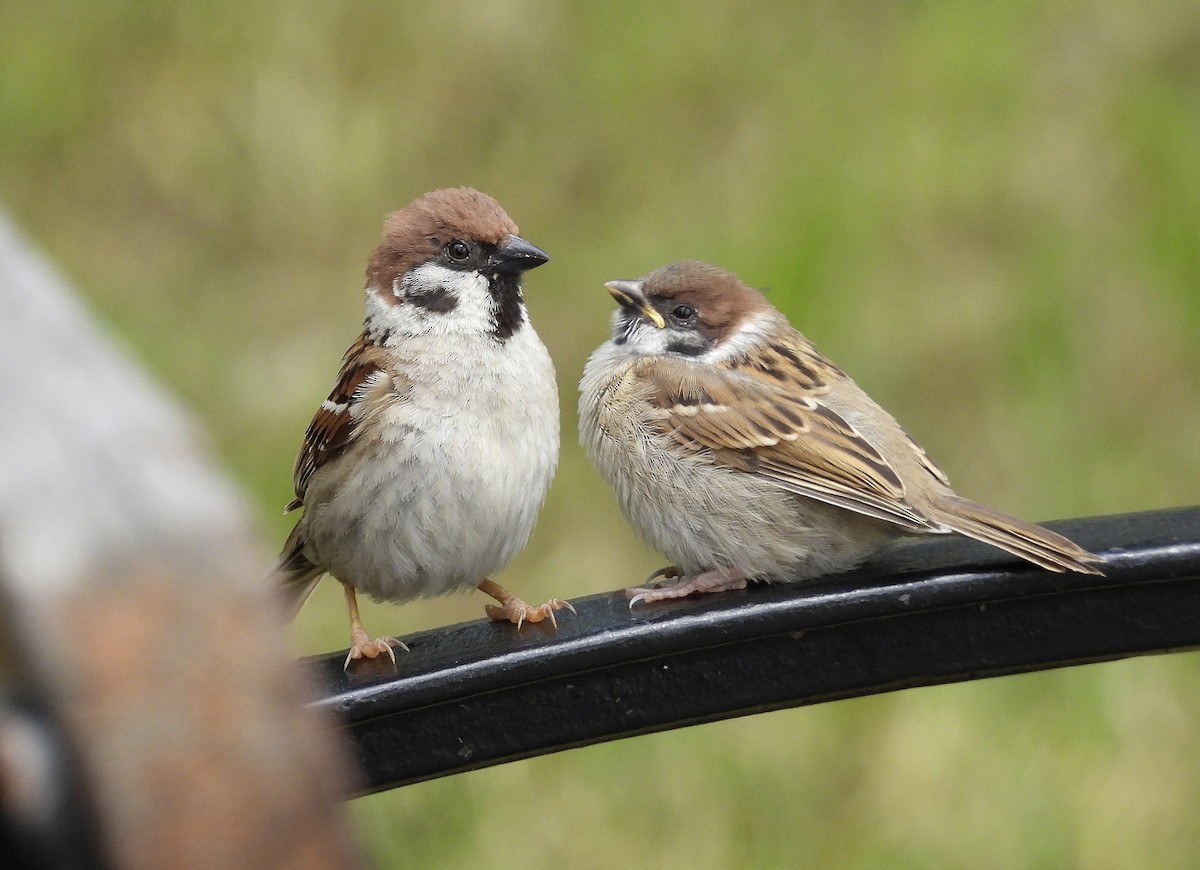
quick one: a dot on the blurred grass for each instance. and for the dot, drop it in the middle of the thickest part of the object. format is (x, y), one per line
(989, 214)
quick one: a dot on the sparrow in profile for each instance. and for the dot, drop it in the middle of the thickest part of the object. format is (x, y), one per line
(740, 452)
(424, 470)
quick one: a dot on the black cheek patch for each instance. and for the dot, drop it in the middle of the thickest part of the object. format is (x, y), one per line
(690, 346)
(438, 300)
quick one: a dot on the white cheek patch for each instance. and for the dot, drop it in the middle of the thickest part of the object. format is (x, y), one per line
(646, 339)
(473, 310)
(747, 335)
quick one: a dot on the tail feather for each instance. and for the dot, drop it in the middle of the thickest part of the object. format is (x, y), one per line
(1031, 542)
(295, 575)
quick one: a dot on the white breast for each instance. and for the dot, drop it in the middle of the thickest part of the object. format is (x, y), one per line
(448, 489)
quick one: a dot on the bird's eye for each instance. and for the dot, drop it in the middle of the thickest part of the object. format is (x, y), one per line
(458, 250)
(683, 313)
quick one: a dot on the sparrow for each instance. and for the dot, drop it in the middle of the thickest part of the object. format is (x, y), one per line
(742, 453)
(424, 469)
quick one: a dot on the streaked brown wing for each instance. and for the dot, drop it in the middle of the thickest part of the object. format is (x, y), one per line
(336, 422)
(929, 464)
(775, 424)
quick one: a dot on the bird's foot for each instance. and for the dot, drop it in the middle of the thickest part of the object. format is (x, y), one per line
(719, 580)
(513, 609)
(668, 572)
(363, 647)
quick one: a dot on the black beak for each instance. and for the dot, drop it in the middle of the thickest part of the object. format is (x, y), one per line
(514, 254)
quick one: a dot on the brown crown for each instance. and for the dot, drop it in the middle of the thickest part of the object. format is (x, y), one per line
(720, 297)
(414, 234)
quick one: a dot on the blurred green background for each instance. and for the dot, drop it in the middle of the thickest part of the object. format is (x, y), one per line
(988, 213)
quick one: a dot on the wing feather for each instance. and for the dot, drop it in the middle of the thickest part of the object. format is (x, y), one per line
(774, 421)
(337, 421)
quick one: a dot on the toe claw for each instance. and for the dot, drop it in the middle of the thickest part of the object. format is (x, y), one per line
(516, 611)
(667, 572)
(367, 648)
(716, 580)
(552, 605)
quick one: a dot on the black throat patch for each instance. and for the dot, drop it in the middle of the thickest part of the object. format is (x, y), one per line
(510, 306)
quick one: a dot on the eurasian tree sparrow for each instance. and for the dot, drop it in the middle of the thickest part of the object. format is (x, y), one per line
(424, 470)
(741, 453)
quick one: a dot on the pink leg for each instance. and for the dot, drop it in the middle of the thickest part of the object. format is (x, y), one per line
(513, 609)
(361, 644)
(719, 580)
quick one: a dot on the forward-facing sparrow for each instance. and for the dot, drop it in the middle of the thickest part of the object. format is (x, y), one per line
(741, 453)
(424, 470)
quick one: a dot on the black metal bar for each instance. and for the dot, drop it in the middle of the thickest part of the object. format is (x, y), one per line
(930, 611)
